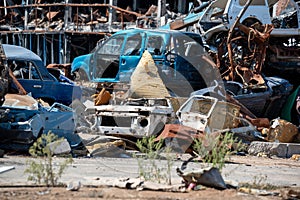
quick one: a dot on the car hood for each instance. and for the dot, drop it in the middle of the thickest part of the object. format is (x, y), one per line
(20, 102)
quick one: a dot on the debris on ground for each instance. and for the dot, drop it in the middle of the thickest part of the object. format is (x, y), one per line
(269, 149)
(59, 147)
(281, 131)
(6, 168)
(208, 114)
(73, 186)
(209, 177)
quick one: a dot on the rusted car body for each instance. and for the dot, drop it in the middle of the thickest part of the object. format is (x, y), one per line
(208, 114)
(134, 117)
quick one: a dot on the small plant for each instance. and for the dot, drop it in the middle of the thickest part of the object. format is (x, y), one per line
(147, 163)
(259, 182)
(44, 171)
(215, 150)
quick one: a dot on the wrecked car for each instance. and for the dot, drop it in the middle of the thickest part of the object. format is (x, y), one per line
(283, 52)
(133, 117)
(262, 101)
(32, 74)
(259, 35)
(23, 120)
(220, 16)
(179, 57)
(208, 114)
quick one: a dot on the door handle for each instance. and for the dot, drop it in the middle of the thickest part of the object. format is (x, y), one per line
(37, 86)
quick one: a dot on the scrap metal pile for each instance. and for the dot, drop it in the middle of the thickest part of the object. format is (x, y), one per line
(243, 101)
(74, 15)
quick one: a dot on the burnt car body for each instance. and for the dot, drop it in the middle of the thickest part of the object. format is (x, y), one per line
(32, 74)
(23, 120)
(283, 52)
(134, 117)
(262, 102)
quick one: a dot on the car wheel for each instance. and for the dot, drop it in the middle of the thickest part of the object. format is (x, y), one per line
(80, 75)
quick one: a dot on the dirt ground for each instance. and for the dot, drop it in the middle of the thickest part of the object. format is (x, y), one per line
(8, 192)
(116, 193)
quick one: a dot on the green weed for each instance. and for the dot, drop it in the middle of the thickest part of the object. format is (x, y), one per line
(43, 171)
(151, 155)
(215, 150)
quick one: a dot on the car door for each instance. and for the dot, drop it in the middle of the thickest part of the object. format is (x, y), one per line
(133, 50)
(30, 78)
(105, 60)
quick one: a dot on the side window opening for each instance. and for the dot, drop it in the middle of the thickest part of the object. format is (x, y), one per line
(155, 45)
(113, 46)
(133, 45)
(33, 73)
(106, 58)
(24, 70)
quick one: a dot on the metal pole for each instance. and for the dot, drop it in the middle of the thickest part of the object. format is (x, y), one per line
(30, 42)
(52, 45)
(158, 12)
(38, 44)
(26, 17)
(13, 38)
(5, 9)
(110, 16)
(45, 50)
(66, 15)
(60, 51)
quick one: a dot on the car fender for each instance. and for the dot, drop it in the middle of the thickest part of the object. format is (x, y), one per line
(81, 62)
(37, 124)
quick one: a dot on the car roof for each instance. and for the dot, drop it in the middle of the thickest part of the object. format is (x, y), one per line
(14, 52)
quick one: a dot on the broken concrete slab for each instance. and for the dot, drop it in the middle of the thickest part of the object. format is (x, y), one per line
(283, 150)
(292, 148)
(60, 147)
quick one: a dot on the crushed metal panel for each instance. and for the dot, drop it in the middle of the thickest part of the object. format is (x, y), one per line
(135, 117)
(19, 125)
(208, 114)
(23, 120)
(20, 101)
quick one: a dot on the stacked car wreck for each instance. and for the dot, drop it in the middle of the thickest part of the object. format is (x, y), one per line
(237, 38)
(210, 81)
(23, 118)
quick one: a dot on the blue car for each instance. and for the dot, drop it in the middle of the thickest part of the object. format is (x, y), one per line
(32, 74)
(23, 120)
(179, 56)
